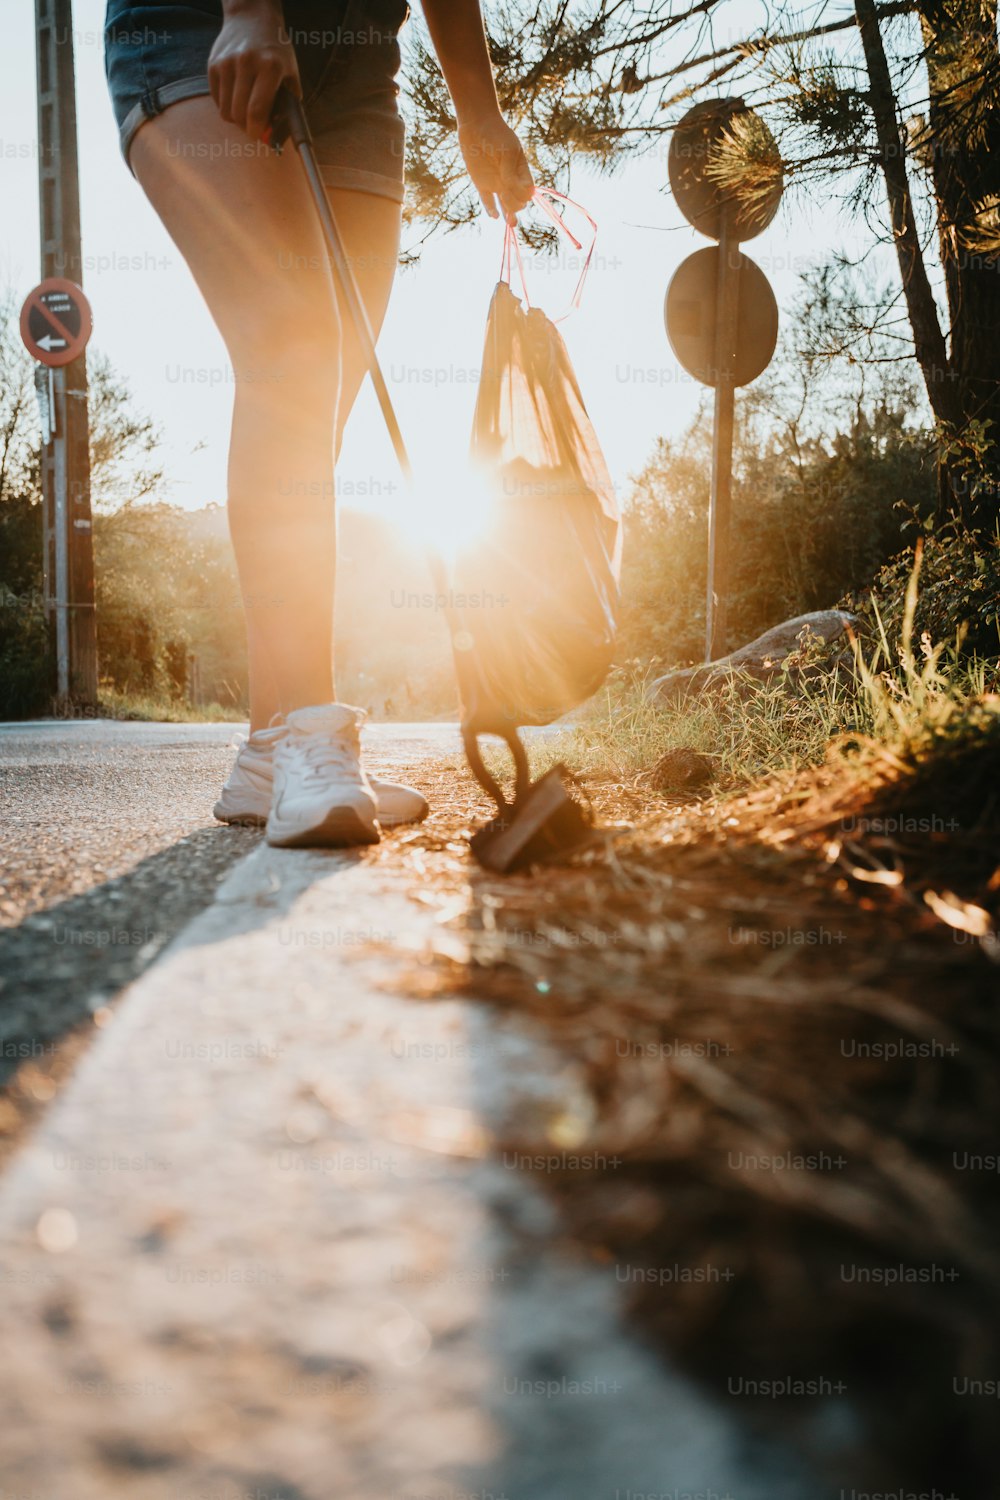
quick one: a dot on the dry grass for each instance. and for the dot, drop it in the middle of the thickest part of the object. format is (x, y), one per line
(801, 968)
(161, 708)
(750, 729)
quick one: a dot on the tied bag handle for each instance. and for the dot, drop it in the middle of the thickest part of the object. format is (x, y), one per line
(512, 246)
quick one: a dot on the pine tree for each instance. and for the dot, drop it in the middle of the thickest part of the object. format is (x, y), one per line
(896, 106)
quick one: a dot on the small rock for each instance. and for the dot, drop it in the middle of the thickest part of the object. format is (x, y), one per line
(761, 659)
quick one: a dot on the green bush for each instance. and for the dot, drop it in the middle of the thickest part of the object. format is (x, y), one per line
(25, 657)
(810, 523)
(167, 589)
(959, 593)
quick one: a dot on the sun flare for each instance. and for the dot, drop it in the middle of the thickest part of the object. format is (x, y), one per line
(449, 508)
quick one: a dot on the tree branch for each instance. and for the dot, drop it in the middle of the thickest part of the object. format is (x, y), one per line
(758, 46)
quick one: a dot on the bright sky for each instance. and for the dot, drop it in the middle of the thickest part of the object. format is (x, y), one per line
(150, 320)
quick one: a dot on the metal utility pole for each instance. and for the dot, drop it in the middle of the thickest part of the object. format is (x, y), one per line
(68, 536)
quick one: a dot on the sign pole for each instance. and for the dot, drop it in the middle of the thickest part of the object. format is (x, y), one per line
(720, 502)
(720, 312)
(68, 537)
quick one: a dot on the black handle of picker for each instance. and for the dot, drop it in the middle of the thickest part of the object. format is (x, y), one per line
(289, 123)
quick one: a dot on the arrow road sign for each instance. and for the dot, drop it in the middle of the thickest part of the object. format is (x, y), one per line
(56, 321)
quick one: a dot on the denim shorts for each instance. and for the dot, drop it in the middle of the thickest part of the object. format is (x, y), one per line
(156, 53)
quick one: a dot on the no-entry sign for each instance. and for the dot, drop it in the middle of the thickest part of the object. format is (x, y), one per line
(56, 321)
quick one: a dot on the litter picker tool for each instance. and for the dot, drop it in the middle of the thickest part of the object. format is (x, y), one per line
(546, 818)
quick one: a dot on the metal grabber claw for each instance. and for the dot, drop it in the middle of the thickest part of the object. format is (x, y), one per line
(544, 820)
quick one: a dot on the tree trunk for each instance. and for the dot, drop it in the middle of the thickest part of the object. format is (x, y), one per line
(963, 71)
(928, 340)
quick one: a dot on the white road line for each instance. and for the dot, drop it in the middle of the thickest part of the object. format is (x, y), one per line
(260, 1240)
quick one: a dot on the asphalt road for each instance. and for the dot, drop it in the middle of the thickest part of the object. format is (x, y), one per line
(86, 802)
(108, 848)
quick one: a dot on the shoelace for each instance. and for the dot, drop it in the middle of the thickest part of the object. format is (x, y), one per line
(334, 754)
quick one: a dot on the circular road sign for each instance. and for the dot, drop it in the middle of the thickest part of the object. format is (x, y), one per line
(694, 141)
(56, 321)
(689, 311)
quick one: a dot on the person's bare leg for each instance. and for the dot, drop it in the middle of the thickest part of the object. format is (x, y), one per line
(243, 220)
(370, 228)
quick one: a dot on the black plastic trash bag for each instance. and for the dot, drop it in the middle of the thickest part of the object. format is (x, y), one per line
(546, 566)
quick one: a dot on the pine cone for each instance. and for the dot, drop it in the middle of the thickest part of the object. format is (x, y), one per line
(681, 770)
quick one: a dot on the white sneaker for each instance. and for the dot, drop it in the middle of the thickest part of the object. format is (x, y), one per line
(322, 798)
(246, 796)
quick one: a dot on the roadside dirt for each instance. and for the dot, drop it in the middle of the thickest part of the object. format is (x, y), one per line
(778, 1015)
